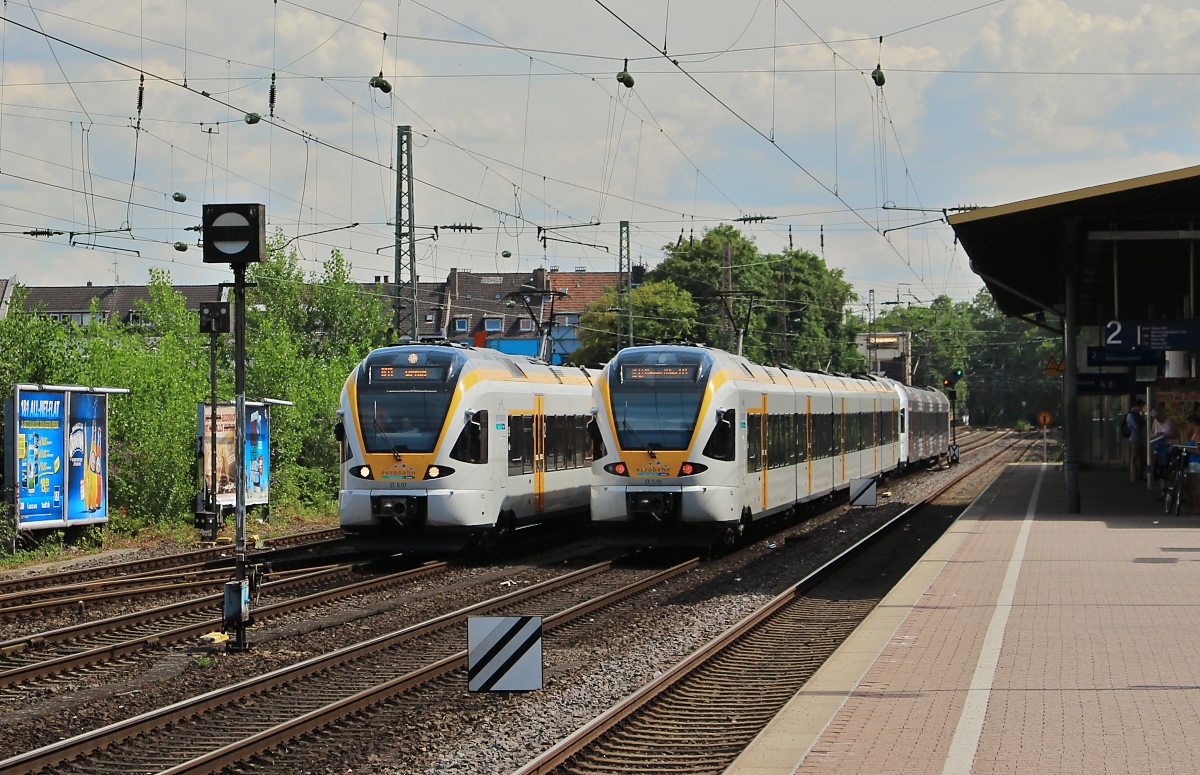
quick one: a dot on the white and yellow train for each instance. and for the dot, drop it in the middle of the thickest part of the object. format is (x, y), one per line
(445, 445)
(698, 441)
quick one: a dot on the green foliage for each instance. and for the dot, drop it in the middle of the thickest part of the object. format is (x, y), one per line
(661, 312)
(791, 306)
(304, 335)
(1006, 366)
(1003, 359)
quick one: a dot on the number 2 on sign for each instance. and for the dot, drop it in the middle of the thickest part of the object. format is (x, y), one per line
(1115, 327)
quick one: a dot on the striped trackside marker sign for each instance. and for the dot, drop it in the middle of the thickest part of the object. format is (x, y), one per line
(862, 492)
(504, 653)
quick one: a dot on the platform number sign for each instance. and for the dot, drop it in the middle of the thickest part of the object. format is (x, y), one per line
(1114, 334)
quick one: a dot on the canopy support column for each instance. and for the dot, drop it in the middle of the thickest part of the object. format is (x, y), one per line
(1070, 389)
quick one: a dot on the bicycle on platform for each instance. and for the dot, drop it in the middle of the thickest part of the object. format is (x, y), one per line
(1175, 477)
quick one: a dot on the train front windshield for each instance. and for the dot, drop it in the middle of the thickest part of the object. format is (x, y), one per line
(656, 396)
(403, 397)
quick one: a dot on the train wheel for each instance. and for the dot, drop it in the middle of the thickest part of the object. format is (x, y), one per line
(498, 535)
(734, 535)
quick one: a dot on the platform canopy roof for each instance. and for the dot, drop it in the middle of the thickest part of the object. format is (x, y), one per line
(1132, 244)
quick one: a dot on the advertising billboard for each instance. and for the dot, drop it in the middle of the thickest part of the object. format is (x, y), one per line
(87, 458)
(40, 462)
(257, 450)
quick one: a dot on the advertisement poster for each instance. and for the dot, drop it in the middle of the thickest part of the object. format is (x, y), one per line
(1180, 404)
(87, 454)
(41, 465)
(258, 453)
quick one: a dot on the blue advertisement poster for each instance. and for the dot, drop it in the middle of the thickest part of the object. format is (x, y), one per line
(87, 455)
(41, 465)
(258, 455)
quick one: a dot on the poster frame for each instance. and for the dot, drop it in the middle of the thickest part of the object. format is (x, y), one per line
(12, 405)
(227, 502)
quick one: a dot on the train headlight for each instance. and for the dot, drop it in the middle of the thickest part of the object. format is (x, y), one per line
(620, 469)
(362, 472)
(691, 469)
(438, 472)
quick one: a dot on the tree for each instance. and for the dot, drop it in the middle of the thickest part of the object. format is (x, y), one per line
(695, 267)
(1007, 367)
(791, 306)
(662, 312)
(810, 310)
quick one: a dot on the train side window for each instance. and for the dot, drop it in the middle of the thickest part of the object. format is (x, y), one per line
(598, 450)
(516, 432)
(472, 443)
(753, 442)
(838, 422)
(721, 443)
(790, 424)
(800, 422)
(583, 450)
(556, 441)
(527, 445)
(566, 443)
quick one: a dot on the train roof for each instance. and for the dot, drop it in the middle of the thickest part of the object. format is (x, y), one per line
(498, 365)
(744, 369)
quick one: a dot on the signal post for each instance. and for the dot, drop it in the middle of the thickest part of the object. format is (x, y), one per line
(236, 234)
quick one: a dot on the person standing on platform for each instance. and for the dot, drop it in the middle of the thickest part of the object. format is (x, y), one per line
(1163, 435)
(1135, 424)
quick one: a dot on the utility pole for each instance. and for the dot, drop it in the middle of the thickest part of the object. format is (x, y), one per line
(624, 289)
(872, 346)
(727, 291)
(405, 316)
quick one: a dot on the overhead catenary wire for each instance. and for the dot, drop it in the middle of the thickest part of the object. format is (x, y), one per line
(795, 162)
(523, 166)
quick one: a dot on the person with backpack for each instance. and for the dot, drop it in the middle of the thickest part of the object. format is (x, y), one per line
(1134, 429)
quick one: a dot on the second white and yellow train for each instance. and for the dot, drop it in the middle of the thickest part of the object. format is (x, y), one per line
(699, 441)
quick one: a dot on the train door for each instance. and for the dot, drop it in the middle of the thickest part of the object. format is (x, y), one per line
(875, 434)
(539, 453)
(764, 436)
(841, 431)
(756, 454)
(808, 445)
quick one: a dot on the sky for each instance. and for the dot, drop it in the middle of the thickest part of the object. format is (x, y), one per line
(757, 108)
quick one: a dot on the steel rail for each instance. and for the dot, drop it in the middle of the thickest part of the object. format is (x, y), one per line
(82, 744)
(595, 729)
(110, 652)
(322, 717)
(198, 558)
(140, 586)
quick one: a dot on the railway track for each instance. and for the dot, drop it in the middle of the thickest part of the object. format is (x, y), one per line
(185, 562)
(196, 736)
(698, 716)
(78, 647)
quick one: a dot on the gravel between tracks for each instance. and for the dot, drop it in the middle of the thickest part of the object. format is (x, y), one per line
(589, 667)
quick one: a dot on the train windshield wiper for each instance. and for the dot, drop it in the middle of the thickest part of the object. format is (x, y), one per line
(379, 429)
(638, 436)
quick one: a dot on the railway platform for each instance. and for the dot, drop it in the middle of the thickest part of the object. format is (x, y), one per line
(1025, 640)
